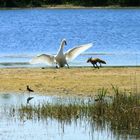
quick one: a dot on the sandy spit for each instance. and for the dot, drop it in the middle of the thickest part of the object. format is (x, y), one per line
(83, 81)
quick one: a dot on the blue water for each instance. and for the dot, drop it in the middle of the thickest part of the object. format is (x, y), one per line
(26, 33)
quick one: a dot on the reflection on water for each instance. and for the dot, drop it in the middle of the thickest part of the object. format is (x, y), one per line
(27, 125)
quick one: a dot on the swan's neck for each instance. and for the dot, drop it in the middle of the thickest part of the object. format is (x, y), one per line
(61, 47)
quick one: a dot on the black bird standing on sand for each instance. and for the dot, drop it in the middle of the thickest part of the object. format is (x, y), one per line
(30, 90)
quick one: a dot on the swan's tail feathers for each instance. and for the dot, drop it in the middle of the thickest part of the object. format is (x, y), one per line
(43, 59)
(74, 52)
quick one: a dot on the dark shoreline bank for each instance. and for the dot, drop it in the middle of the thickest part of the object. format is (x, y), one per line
(71, 7)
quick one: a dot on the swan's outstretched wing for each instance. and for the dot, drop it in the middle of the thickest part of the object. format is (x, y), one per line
(43, 58)
(74, 52)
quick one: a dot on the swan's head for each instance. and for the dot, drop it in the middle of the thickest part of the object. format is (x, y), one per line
(63, 42)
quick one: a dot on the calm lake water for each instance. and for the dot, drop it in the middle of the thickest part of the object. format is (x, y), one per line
(28, 32)
(13, 126)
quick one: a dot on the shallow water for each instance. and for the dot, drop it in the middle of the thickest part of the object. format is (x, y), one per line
(13, 126)
(27, 32)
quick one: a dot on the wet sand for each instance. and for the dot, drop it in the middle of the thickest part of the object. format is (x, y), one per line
(83, 81)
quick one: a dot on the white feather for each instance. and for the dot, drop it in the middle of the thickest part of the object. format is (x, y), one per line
(61, 57)
(43, 58)
(74, 52)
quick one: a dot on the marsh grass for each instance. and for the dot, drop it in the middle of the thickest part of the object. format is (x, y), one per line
(102, 92)
(58, 111)
(121, 114)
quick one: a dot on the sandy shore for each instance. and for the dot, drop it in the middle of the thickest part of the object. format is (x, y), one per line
(74, 81)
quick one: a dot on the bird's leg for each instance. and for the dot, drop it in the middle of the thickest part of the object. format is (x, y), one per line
(68, 65)
(29, 93)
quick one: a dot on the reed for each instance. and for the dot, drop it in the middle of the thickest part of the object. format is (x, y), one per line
(121, 112)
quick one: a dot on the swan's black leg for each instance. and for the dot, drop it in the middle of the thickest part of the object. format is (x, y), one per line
(68, 65)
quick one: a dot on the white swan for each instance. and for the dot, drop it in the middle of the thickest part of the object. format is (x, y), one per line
(61, 58)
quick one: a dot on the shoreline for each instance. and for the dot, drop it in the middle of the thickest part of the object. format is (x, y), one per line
(8, 65)
(71, 7)
(81, 81)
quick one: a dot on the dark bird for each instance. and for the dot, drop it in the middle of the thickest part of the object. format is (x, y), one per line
(30, 90)
(29, 98)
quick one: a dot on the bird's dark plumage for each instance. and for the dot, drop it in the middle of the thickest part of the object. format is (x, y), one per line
(30, 90)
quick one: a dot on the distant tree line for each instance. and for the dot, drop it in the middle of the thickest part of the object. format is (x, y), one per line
(39, 3)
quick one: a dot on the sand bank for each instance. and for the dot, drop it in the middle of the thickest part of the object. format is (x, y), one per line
(74, 81)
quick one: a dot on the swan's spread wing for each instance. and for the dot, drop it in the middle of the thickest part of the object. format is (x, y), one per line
(74, 52)
(43, 58)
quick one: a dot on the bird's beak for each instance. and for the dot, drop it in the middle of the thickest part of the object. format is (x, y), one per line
(65, 43)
